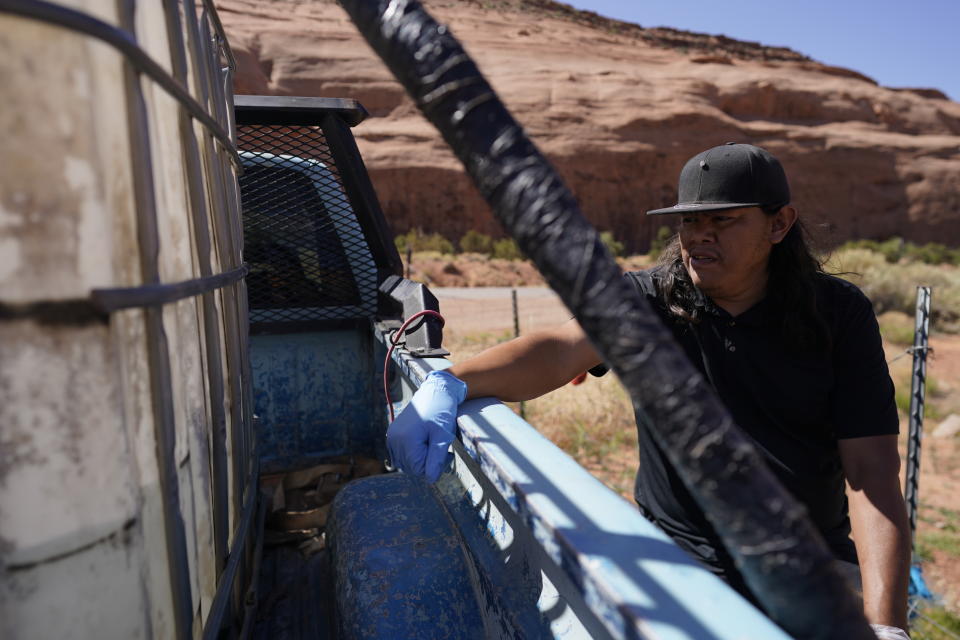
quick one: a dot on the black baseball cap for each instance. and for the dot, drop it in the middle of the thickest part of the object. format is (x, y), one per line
(730, 176)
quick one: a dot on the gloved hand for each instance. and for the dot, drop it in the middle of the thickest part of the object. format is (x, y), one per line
(889, 633)
(420, 436)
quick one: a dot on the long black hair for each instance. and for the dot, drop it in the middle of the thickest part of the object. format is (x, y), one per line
(791, 288)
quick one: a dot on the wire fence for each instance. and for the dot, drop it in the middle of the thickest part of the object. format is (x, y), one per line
(923, 624)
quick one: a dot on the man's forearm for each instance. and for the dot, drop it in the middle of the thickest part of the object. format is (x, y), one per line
(882, 535)
(528, 366)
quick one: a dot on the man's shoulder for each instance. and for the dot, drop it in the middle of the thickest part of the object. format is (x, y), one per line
(837, 293)
(845, 308)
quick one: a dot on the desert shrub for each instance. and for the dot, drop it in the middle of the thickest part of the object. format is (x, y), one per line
(854, 261)
(895, 249)
(896, 327)
(417, 240)
(506, 249)
(591, 422)
(660, 240)
(615, 247)
(476, 242)
(891, 249)
(893, 287)
(931, 253)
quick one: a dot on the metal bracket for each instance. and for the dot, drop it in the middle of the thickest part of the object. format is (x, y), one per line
(424, 337)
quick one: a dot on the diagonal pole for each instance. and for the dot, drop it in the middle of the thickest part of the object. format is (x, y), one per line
(779, 552)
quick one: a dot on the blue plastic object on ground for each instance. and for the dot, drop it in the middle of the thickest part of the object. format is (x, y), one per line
(918, 586)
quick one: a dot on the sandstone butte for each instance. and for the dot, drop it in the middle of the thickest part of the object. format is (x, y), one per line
(618, 108)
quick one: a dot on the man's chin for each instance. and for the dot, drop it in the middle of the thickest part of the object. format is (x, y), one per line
(698, 280)
(704, 279)
(704, 283)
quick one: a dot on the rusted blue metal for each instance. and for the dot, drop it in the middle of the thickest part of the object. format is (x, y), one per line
(315, 397)
(399, 565)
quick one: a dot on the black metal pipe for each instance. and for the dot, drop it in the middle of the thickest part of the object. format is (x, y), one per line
(158, 355)
(356, 183)
(221, 34)
(225, 185)
(226, 80)
(197, 62)
(211, 320)
(71, 312)
(103, 302)
(197, 41)
(219, 73)
(220, 608)
(146, 295)
(220, 89)
(228, 220)
(297, 111)
(246, 373)
(125, 43)
(252, 596)
(231, 307)
(781, 555)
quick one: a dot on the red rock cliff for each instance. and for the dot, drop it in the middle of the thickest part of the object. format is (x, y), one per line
(618, 109)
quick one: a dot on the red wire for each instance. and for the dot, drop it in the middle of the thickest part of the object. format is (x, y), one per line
(393, 343)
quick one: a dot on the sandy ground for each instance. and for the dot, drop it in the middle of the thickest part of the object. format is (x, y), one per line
(482, 316)
(473, 270)
(490, 309)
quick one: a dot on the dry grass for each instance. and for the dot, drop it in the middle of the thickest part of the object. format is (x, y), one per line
(893, 287)
(436, 269)
(593, 422)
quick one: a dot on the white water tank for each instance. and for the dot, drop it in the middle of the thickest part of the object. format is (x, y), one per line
(85, 538)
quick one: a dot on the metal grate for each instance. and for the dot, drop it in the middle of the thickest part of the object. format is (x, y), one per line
(308, 257)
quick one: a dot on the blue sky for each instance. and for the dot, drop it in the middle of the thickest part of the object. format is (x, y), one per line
(898, 43)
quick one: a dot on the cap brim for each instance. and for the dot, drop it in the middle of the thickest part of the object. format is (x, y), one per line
(701, 207)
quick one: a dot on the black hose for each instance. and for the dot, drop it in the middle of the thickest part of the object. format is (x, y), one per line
(781, 555)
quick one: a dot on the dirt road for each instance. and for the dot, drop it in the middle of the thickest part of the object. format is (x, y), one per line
(489, 309)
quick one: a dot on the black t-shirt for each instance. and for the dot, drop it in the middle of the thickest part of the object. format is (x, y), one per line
(793, 404)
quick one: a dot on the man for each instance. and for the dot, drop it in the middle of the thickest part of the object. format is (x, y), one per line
(794, 354)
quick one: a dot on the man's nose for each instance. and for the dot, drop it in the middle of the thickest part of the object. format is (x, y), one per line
(701, 230)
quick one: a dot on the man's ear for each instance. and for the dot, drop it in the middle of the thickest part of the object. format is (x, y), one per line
(781, 222)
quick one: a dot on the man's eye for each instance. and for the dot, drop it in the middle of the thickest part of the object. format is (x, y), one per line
(687, 220)
(723, 218)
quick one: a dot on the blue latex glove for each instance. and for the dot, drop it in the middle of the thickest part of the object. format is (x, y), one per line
(420, 436)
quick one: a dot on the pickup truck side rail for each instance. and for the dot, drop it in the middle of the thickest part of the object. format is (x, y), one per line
(599, 568)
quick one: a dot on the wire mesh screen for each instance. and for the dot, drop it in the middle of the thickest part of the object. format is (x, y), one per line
(307, 254)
